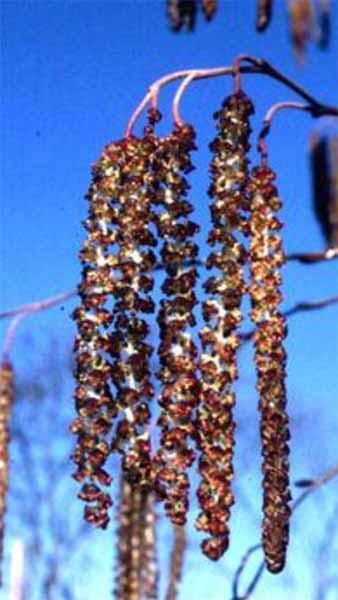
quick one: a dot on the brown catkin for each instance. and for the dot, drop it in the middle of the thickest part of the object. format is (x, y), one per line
(116, 270)
(176, 562)
(266, 257)
(324, 172)
(222, 314)
(137, 574)
(209, 8)
(6, 401)
(181, 13)
(301, 24)
(177, 352)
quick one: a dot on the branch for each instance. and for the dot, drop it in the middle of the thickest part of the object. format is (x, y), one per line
(314, 485)
(256, 65)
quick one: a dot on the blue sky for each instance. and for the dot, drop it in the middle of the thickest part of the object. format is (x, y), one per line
(72, 73)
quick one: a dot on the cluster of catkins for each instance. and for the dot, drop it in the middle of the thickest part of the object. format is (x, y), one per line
(309, 20)
(138, 200)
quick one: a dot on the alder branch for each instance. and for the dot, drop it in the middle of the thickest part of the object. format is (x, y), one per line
(314, 485)
(256, 66)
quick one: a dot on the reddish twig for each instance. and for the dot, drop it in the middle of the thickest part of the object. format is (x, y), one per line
(256, 65)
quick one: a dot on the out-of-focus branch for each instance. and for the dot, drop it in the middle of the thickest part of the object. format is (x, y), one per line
(314, 485)
(176, 562)
(309, 258)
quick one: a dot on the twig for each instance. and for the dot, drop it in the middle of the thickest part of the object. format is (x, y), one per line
(23, 311)
(316, 484)
(256, 65)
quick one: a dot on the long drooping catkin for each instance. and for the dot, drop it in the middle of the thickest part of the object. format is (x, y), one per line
(218, 364)
(177, 351)
(266, 257)
(6, 401)
(176, 562)
(116, 269)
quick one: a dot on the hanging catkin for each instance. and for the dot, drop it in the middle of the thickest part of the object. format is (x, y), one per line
(115, 267)
(136, 560)
(266, 257)
(209, 8)
(177, 351)
(264, 10)
(218, 365)
(176, 562)
(6, 401)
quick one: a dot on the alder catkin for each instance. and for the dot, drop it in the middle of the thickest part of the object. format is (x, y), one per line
(266, 257)
(137, 574)
(6, 402)
(264, 12)
(176, 562)
(222, 313)
(181, 13)
(301, 24)
(209, 8)
(324, 172)
(177, 351)
(116, 280)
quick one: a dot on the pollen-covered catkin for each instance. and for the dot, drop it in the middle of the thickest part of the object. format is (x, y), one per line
(266, 257)
(222, 314)
(6, 401)
(116, 280)
(177, 351)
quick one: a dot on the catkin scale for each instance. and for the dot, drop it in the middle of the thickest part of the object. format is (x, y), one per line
(117, 263)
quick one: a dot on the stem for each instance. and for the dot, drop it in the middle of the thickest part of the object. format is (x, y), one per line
(267, 122)
(178, 96)
(256, 65)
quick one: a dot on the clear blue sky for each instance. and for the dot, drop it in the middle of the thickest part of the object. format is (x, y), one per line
(72, 73)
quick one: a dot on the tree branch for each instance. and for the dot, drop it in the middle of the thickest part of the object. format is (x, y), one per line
(256, 65)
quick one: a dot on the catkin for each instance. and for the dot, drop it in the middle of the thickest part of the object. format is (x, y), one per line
(137, 574)
(222, 314)
(6, 401)
(117, 262)
(266, 257)
(177, 351)
(176, 562)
